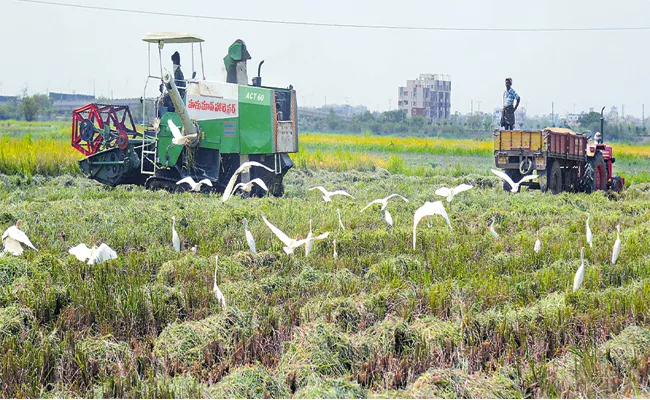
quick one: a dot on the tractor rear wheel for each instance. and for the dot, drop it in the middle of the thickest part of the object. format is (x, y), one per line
(555, 178)
(600, 172)
(515, 175)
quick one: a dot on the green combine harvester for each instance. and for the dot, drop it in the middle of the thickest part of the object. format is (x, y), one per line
(218, 126)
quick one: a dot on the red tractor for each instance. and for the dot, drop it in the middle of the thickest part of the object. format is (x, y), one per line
(599, 164)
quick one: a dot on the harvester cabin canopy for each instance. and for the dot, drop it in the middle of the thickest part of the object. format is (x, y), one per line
(163, 38)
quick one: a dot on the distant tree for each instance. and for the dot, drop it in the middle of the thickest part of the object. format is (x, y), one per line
(33, 106)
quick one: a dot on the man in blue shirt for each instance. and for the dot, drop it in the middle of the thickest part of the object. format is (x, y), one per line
(509, 106)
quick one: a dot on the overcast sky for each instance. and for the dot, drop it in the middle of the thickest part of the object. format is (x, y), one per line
(65, 49)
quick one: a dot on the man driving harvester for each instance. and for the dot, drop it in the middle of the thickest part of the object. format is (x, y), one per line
(509, 108)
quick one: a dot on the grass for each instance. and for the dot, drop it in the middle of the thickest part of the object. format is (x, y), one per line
(464, 315)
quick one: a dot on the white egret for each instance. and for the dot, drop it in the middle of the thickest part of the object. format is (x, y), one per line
(176, 241)
(310, 242)
(450, 193)
(96, 255)
(617, 244)
(248, 186)
(335, 255)
(388, 218)
(384, 201)
(429, 208)
(291, 244)
(514, 187)
(195, 249)
(249, 237)
(245, 167)
(580, 274)
(178, 138)
(217, 292)
(341, 226)
(538, 244)
(327, 196)
(588, 229)
(13, 237)
(492, 231)
(194, 186)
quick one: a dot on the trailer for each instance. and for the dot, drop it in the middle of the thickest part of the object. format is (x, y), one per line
(562, 159)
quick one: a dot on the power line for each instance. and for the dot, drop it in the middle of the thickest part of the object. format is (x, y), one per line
(336, 25)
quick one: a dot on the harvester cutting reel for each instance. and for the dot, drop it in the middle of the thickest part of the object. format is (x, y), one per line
(97, 127)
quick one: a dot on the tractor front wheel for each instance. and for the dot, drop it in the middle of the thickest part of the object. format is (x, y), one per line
(617, 184)
(600, 172)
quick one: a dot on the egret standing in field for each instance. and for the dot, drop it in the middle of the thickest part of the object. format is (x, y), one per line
(215, 289)
(538, 243)
(580, 274)
(514, 187)
(617, 244)
(450, 193)
(96, 255)
(245, 167)
(588, 230)
(341, 226)
(194, 186)
(176, 241)
(12, 239)
(327, 195)
(289, 243)
(249, 237)
(492, 231)
(428, 209)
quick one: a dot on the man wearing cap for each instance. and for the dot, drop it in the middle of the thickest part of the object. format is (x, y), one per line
(509, 108)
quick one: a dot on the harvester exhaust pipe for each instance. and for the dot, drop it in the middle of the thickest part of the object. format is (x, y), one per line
(602, 125)
(257, 81)
(176, 99)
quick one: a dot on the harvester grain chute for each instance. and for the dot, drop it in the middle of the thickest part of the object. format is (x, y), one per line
(205, 130)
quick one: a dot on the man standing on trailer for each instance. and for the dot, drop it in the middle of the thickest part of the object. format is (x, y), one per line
(509, 108)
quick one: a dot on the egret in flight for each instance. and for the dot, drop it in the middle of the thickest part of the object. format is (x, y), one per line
(450, 193)
(12, 239)
(289, 243)
(327, 196)
(514, 187)
(195, 186)
(96, 255)
(429, 208)
(178, 138)
(245, 167)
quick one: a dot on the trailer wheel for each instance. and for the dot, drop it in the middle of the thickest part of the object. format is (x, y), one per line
(600, 172)
(514, 175)
(542, 178)
(555, 178)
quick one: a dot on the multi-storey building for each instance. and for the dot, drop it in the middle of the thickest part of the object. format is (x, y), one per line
(428, 96)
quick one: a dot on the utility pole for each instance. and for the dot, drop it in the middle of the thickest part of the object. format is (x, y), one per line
(326, 100)
(642, 111)
(471, 108)
(479, 106)
(553, 113)
(390, 104)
